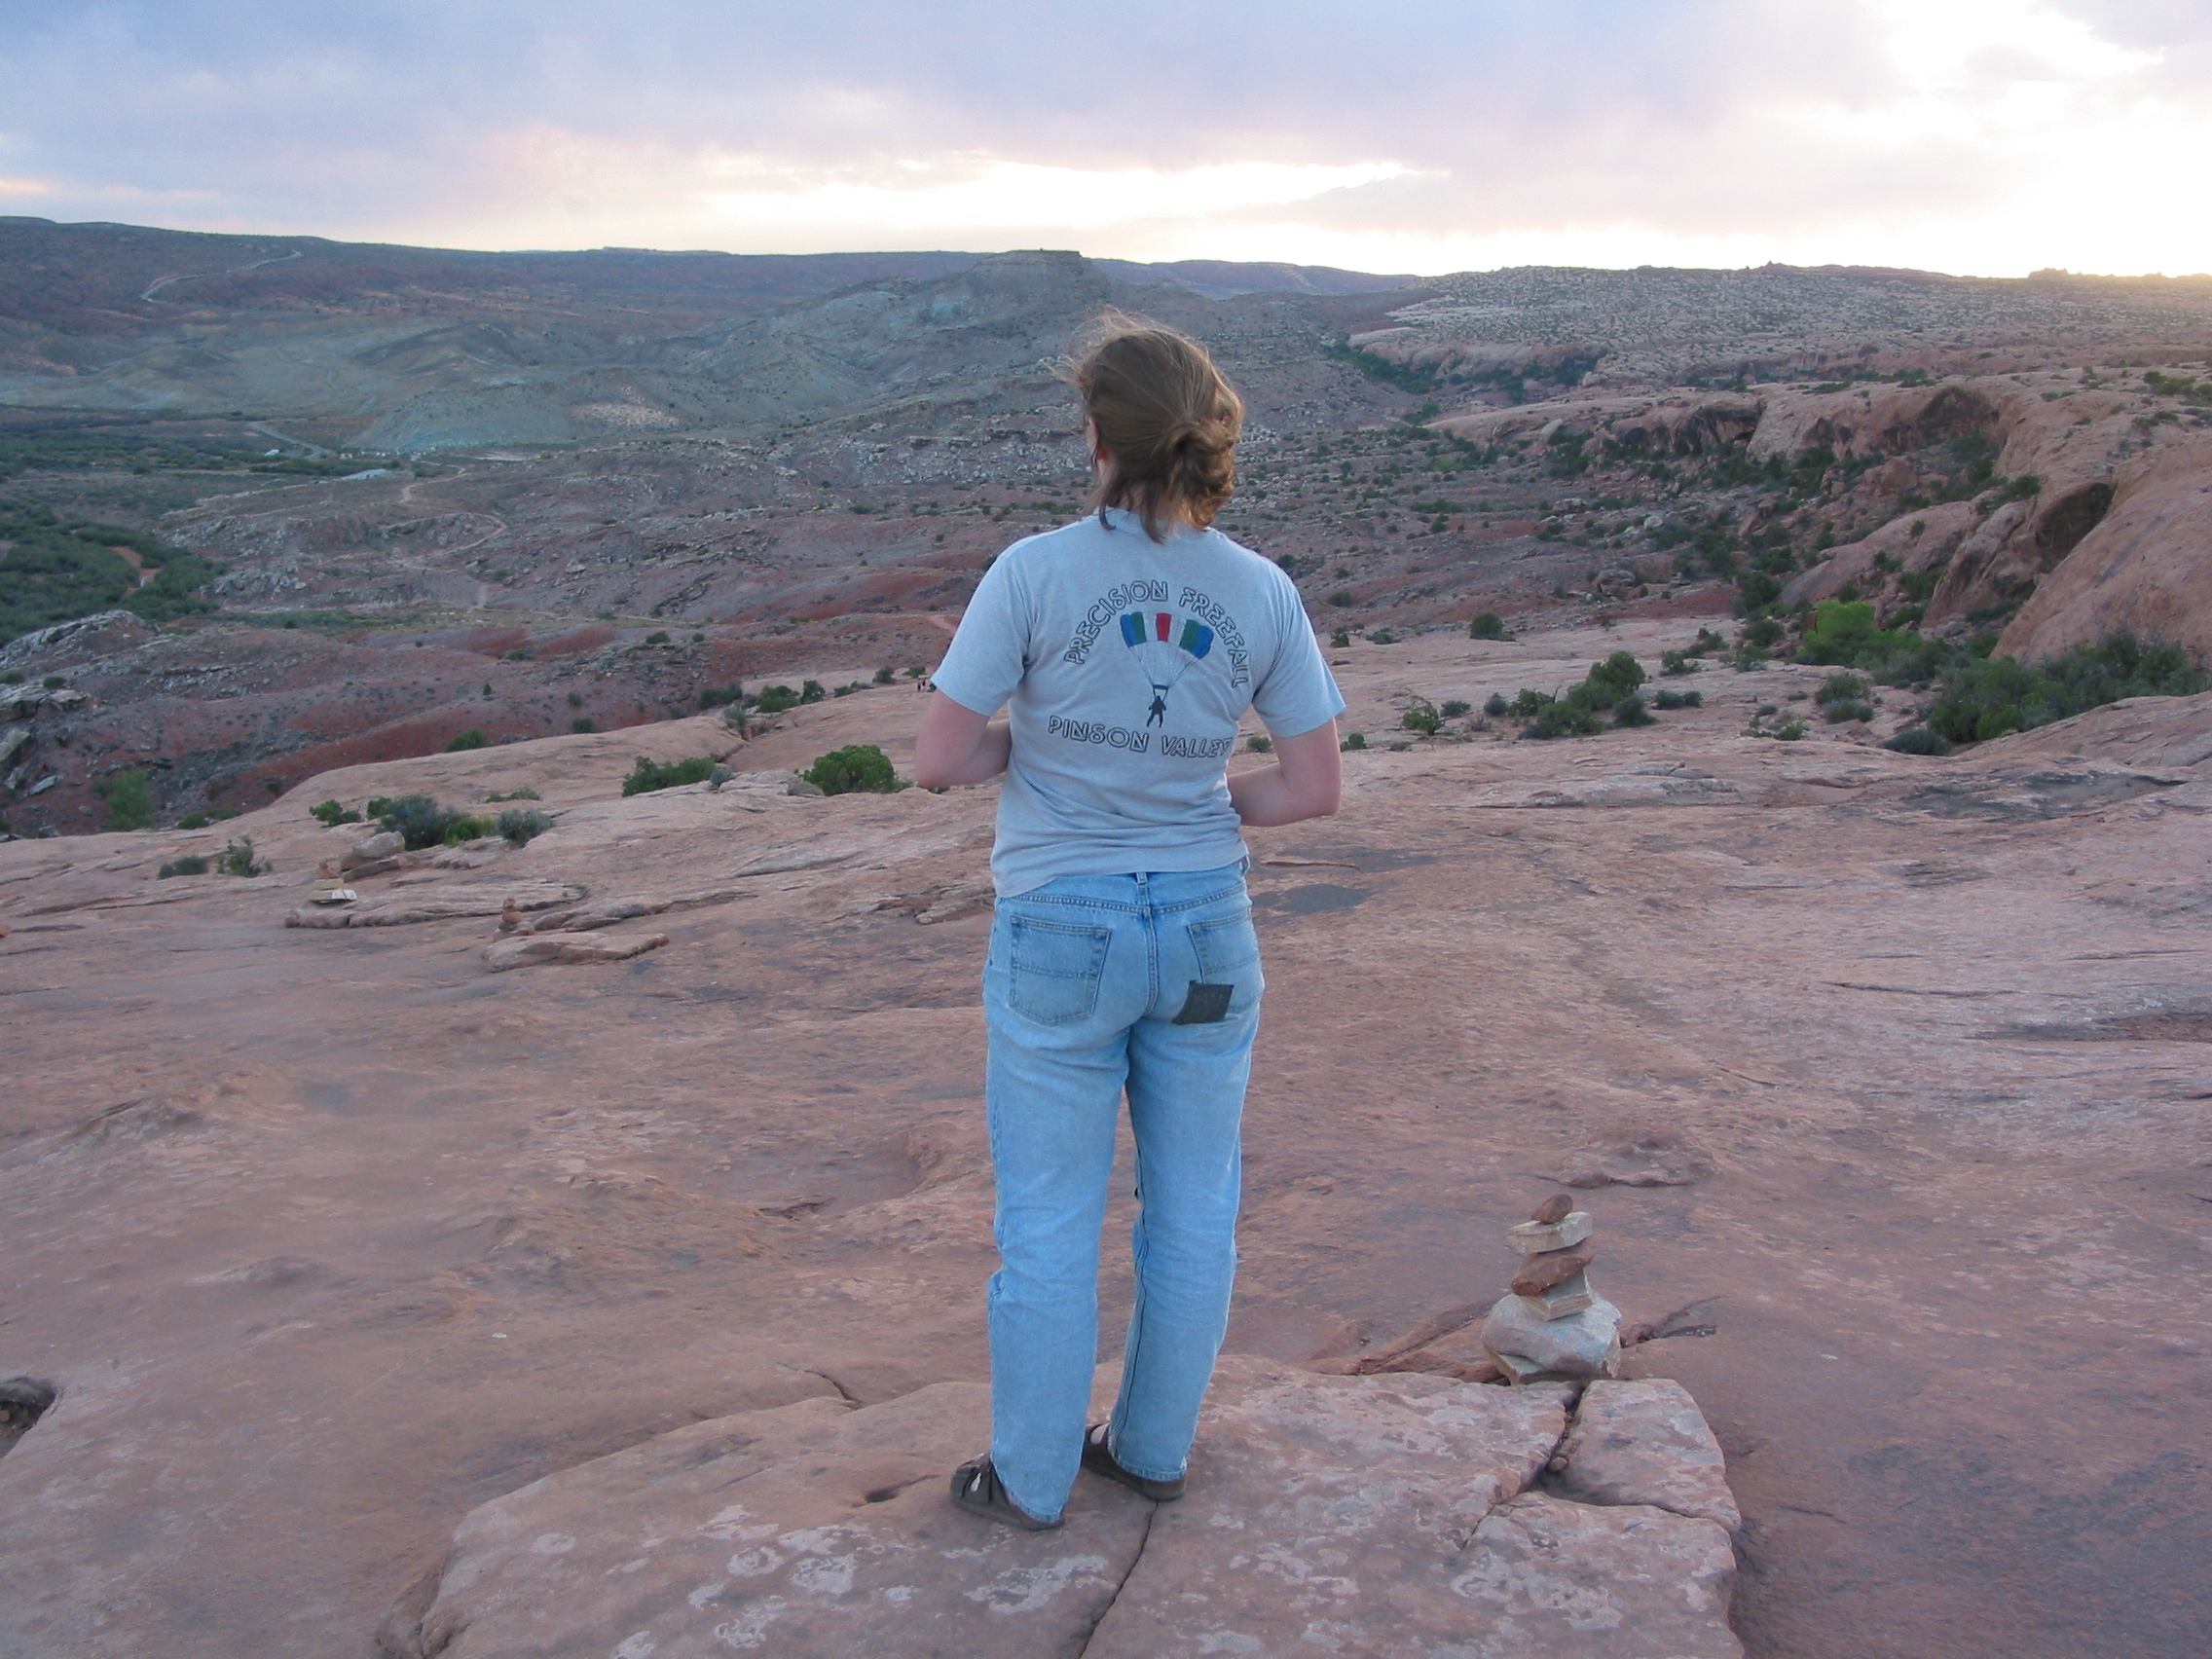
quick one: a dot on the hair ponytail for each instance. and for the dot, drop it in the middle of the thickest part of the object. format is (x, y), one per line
(1167, 417)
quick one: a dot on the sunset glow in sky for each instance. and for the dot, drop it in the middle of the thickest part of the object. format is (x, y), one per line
(1983, 136)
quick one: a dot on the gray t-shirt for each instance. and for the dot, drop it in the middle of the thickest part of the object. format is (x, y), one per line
(1128, 664)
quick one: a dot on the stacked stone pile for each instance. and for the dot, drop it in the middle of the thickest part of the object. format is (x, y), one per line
(1551, 1326)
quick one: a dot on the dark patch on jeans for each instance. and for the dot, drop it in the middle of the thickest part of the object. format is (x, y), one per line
(1205, 1004)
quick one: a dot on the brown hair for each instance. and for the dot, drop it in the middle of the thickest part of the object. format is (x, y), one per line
(1166, 415)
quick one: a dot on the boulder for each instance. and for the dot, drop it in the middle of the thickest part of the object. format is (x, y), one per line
(1646, 1442)
(377, 849)
(1348, 1515)
(1529, 1346)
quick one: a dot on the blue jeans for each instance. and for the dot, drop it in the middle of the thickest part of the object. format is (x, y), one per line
(1096, 985)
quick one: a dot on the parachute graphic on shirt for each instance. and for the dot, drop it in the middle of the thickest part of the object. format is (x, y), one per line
(1164, 646)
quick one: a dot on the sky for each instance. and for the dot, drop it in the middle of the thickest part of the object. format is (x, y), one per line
(1988, 137)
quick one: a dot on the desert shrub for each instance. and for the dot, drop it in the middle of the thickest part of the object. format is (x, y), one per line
(658, 636)
(775, 699)
(332, 813)
(1452, 708)
(1848, 708)
(463, 829)
(525, 792)
(885, 675)
(1340, 638)
(583, 724)
(1490, 625)
(1259, 743)
(1354, 740)
(1917, 740)
(521, 825)
(1620, 673)
(1631, 712)
(1988, 697)
(1678, 662)
(1562, 717)
(237, 858)
(201, 820)
(1495, 704)
(1381, 637)
(647, 776)
(129, 801)
(1528, 701)
(1844, 688)
(857, 768)
(810, 691)
(1790, 733)
(420, 821)
(472, 738)
(1669, 698)
(720, 696)
(1422, 717)
(192, 863)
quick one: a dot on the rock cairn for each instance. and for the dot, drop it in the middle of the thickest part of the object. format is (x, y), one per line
(1551, 1326)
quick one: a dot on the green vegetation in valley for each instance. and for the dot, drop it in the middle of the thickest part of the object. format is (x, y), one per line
(57, 569)
(647, 776)
(857, 767)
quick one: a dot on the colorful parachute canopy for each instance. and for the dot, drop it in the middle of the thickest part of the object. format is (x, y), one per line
(1159, 628)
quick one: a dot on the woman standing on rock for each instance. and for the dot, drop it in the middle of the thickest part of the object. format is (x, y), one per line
(1126, 646)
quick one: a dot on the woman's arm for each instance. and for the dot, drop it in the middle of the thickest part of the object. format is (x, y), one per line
(1306, 780)
(957, 746)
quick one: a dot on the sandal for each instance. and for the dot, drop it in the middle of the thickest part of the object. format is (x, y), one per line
(1099, 1460)
(978, 1488)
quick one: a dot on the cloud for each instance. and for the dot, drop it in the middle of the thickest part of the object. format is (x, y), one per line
(1420, 132)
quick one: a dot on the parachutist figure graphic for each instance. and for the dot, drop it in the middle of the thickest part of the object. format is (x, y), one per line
(1157, 716)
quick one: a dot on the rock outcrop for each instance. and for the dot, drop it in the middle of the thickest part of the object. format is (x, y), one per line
(1351, 1515)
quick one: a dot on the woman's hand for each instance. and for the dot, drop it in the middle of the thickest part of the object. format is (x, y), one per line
(957, 746)
(1307, 781)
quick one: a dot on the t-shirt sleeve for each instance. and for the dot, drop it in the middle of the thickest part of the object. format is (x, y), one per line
(1297, 693)
(990, 651)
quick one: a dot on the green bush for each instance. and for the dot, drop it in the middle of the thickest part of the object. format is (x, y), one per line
(1527, 702)
(658, 636)
(1341, 639)
(1847, 709)
(1631, 712)
(583, 723)
(1678, 662)
(1840, 630)
(775, 699)
(1490, 625)
(1354, 740)
(1381, 637)
(1844, 688)
(1991, 696)
(463, 829)
(201, 820)
(522, 824)
(1495, 705)
(1917, 740)
(1668, 698)
(647, 776)
(472, 738)
(1452, 708)
(810, 691)
(418, 819)
(1422, 717)
(192, 863)
(1619, 673)
(129, 801)
(237, 858)
(1259, 743)
(333, 813)
(1340, 598)
(525, 792)
(857, 768)
(1562, 717)
(885, 675)
(720, 696)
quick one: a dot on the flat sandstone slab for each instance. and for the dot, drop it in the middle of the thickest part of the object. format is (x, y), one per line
(1370, 1514)
(1646, 1442)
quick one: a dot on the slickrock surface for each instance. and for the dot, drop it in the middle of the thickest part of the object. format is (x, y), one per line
(1644, 1442)
(1359, 1515)
(330, 1237)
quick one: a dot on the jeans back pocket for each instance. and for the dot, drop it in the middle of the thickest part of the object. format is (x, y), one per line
(1228, 950)
(1054, 969)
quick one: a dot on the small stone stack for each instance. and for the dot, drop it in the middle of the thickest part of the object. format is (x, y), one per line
(330, 887)
(1552, 1326)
